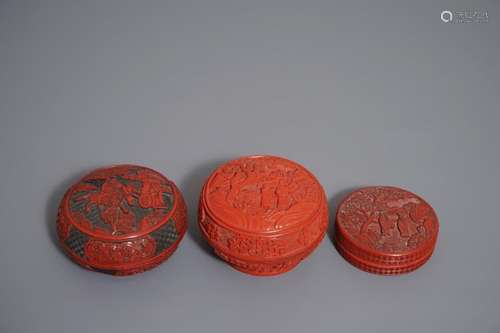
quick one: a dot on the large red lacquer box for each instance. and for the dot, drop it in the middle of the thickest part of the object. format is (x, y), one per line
(121, 220)
(263, 214)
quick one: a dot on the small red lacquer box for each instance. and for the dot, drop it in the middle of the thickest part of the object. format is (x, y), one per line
(121, 220)
(262, 214)
(385, 230)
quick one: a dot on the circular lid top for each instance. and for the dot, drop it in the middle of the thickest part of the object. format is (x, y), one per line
(120, 202)
(387, 221)
(262, 194)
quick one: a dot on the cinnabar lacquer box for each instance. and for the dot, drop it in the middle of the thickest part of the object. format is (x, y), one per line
(385, 230)
(263, 214)
(121, 220)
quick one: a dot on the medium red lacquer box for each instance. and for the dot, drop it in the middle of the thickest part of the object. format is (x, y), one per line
(121, 220)
(263, 214)
(385, 230)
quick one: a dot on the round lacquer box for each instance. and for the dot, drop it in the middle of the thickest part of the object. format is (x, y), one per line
(121, 220)
(385, 230)
(263, 214)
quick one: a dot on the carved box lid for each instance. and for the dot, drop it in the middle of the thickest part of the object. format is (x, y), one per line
(122, 219)
(260, 209)
(385, 230)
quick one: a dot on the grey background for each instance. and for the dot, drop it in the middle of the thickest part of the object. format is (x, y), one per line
(360, 92)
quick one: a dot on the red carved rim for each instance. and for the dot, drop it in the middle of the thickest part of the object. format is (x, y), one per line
(288, 263)
(302, 252)
(140, 266)
(369, 267)
(128, 236)
(322, 223)
(213, 214)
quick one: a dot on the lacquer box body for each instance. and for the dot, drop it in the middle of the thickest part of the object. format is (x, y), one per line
(121, 220)
(262, 214)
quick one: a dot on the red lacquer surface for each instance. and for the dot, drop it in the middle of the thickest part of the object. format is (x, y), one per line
(385, 230)
(262, 214)
(121, 220)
